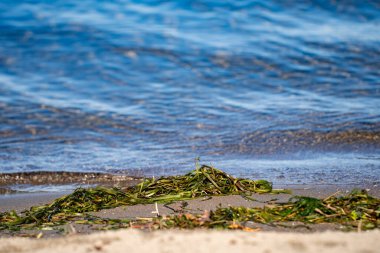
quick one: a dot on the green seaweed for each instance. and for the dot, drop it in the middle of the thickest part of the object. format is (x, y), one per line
(338, 210)
(357, 209)
(203, 181)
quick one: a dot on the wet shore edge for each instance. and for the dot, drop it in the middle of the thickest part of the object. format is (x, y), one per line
(41, 178)
(13, 198)
(63, 177)
(77, 179)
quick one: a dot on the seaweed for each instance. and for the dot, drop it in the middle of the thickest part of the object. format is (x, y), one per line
(357, 209)
(203, 181)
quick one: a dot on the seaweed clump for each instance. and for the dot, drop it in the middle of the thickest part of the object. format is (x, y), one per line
(203, 181)
(356, 210)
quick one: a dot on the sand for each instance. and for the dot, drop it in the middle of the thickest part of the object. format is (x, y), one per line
(198, 241)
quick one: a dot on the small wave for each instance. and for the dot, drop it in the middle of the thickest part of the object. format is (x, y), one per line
(288, 141)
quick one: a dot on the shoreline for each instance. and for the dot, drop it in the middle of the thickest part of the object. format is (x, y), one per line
(13, 183)
(36, 182)
(65, 177)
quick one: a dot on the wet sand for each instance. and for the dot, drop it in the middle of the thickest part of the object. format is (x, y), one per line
(22, 201)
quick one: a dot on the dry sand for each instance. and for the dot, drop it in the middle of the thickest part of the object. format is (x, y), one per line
(199, 241)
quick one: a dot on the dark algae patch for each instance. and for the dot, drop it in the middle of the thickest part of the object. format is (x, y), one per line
(357, 209)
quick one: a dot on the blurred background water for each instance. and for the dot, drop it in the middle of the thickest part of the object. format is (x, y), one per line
(283, 90)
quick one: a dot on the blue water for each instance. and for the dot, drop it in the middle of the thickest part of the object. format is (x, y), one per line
(283, 90)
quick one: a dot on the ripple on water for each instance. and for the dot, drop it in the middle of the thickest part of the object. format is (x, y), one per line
(147, 86)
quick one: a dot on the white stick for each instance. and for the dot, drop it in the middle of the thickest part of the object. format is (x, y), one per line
(156, 212)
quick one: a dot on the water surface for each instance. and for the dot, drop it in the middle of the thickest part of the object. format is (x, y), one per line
(283, 90)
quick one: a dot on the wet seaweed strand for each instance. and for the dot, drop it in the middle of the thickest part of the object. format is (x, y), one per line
(357, 209)
(203, 181)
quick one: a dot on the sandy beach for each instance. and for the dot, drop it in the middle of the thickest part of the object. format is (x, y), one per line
(199, 241)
